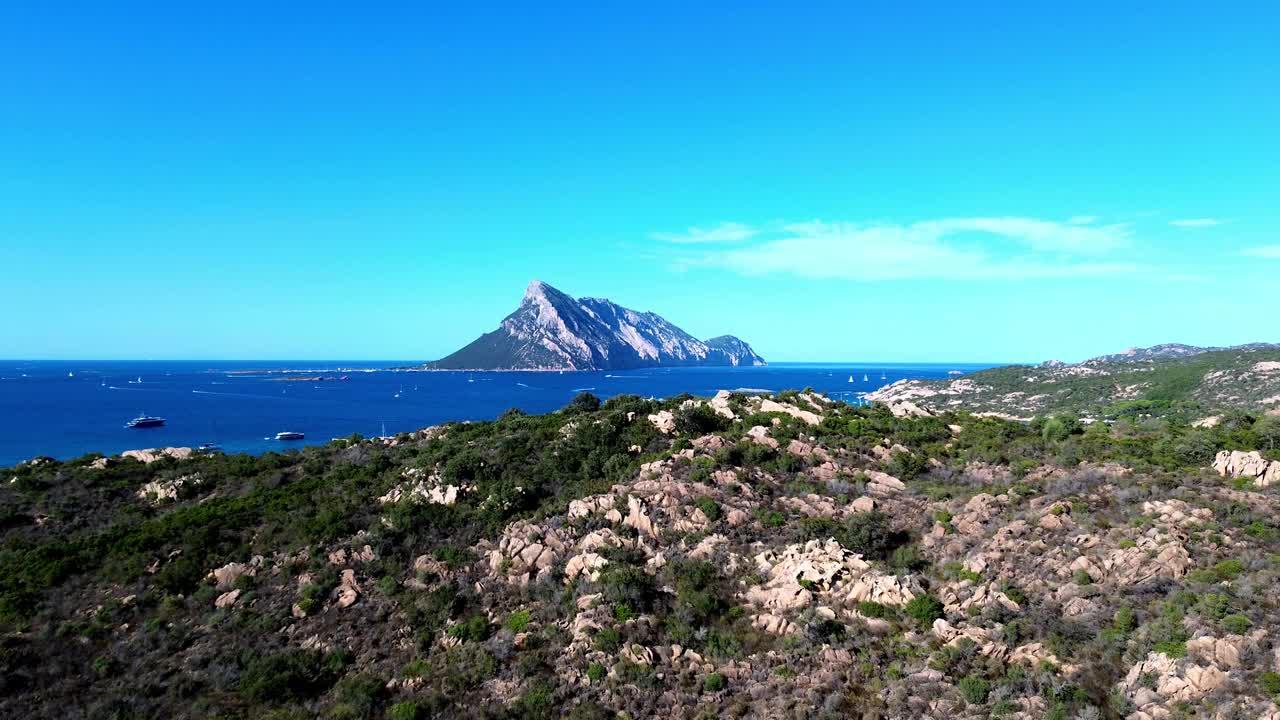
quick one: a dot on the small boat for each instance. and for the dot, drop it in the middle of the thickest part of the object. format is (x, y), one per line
(865, 378)
(850, 378)
(399, 391)
(882, 377)
(209, 448)
(145, 421)
(136, 382)
(71, 374)
(289, 435)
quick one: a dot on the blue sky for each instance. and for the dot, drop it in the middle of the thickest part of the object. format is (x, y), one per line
(847, 181)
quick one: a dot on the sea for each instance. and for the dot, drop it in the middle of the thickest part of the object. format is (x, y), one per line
(65, 409)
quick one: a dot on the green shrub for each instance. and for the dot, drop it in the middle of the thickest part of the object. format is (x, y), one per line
(872, 535)
(709, 507)
(715, 682)
(407, 710)
(596, 672)
(361, 694)
(518, 621)
(1236, 624)
(1270, 683)
(289, 676)
(539, 702)
(770, 518)
(873, 609)
(925, 609)
(1124, 620)
(473, 629)
(974, 689)
(416, 669)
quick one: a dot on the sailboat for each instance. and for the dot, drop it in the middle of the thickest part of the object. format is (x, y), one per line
(865, 378)
(850, 378)
(71, 374)
(882, 377)
(399, 391)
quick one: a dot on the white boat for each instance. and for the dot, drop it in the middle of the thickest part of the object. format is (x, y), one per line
(289, 435)
(865, 378)
(882, 377)
(71, 374)
(850, 378)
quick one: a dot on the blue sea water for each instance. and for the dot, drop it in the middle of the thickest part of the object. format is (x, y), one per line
(65, 409)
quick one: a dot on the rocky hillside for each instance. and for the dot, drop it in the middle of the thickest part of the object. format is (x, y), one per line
(1197, 386)
(553, 331)
(1169, 351)
(756, 557)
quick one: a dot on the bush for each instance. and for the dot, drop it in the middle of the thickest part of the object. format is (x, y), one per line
(974, 689)
(699, 420)
(709, 507)
(360, 695)
(873, 609)
(283, 677)
(715, 682)
(518, 620)
(596, 672)
(1270, 683)
(925, 609)
(1236, 624)
(407, 710)
(474, 629)
(872, 535)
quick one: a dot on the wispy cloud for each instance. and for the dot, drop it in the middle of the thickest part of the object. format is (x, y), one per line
(959, 248)
(1196, 222)
(725, 232)
(1271, 252)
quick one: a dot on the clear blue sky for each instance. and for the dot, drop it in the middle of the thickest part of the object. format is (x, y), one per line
(845, 181)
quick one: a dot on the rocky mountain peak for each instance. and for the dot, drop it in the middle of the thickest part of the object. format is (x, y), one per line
(551, 330)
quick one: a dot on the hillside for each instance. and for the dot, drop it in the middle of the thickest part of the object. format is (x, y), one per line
(782, 557)
(1170, 351)
(552, 331)
(1195, 385)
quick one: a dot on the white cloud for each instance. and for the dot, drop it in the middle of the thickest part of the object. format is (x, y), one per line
(954, 248)
(725, 232)
(1082, 220)
(1196, 222)
(1266, 251)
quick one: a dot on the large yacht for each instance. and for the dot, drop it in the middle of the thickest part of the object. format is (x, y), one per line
(145, 421)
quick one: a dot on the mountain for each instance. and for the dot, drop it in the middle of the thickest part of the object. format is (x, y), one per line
(1170, 351)
(553, 331)
(1163, 380)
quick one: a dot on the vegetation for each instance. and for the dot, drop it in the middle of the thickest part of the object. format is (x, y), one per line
(108, 601)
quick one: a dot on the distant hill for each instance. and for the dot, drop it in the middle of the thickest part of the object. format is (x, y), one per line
(553, 331)
(1170, 351)
(1160, 380)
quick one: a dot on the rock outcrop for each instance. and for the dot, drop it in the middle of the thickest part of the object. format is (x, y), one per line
(1249, 465)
